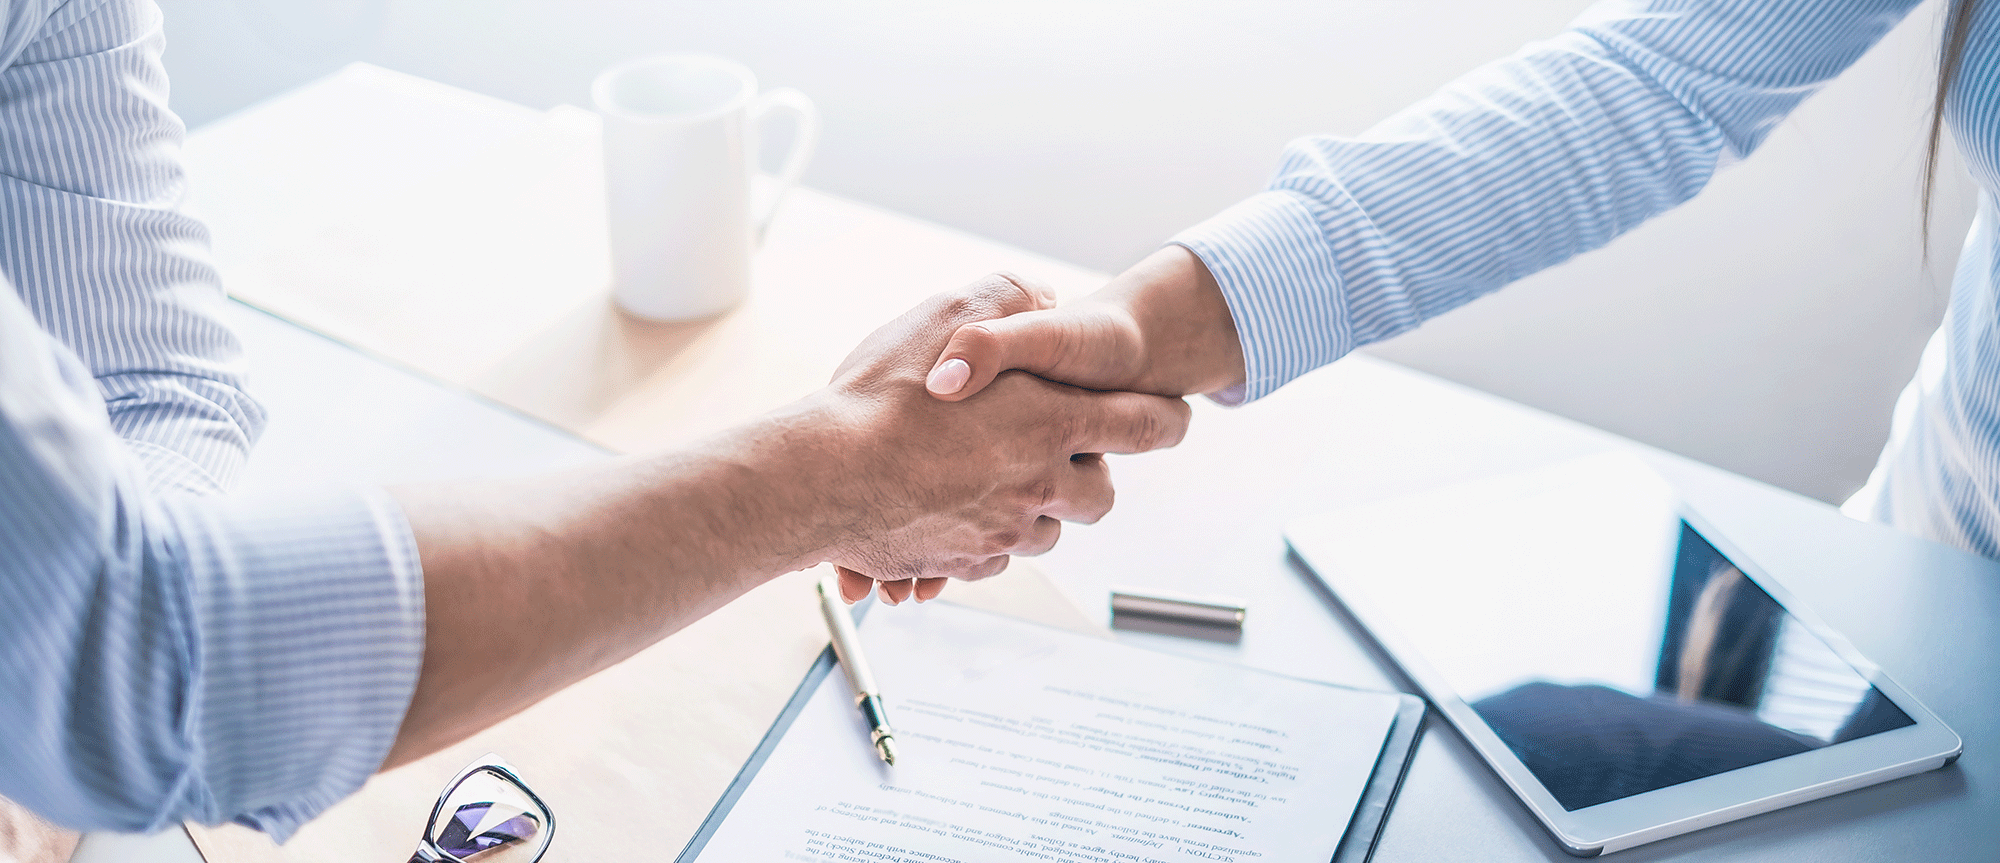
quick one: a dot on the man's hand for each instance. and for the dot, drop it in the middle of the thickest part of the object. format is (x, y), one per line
(533, 584)
(951, 490)
(1162, 327)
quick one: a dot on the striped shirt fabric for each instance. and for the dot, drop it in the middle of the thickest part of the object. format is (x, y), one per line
(1558, 149)
(167, 652)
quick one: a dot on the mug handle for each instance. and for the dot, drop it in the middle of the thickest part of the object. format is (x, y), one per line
(784, 99)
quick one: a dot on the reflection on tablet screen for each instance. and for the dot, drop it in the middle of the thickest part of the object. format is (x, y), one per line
(1602, 638)
(1737, 681)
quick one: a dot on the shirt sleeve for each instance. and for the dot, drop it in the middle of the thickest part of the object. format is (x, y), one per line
(1516, 167)
(168, 657)
(91, 237)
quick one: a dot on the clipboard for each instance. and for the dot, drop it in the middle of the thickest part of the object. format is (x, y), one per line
(1357, 843)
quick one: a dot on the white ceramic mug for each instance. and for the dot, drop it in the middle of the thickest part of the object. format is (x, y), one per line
(680, 147)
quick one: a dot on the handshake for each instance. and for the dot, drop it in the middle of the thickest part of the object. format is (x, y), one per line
(957, 435)
(979, 420)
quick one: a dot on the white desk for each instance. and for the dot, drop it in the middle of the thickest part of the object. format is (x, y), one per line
(1202, 518)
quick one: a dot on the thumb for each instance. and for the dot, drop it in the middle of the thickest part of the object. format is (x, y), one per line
(1086, 344)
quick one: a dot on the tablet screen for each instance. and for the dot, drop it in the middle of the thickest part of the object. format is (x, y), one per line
(1616, 651)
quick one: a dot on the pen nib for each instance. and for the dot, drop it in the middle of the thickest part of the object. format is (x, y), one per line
(887, 750)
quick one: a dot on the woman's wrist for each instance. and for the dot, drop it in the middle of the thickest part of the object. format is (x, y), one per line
(1187, 335)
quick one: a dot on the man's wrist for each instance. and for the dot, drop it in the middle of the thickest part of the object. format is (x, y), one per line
(839, 469)
(799, 471)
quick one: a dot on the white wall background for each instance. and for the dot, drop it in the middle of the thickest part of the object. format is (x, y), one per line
(1766, 327)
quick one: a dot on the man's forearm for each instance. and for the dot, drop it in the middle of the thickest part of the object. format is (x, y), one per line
(531, 586)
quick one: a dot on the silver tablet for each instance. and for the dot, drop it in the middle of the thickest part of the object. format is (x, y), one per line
(1624, 668)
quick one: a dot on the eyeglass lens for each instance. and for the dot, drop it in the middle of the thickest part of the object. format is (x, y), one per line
(489, 819)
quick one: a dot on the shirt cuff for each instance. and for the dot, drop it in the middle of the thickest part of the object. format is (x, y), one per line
(309, 639)
(1278, 273)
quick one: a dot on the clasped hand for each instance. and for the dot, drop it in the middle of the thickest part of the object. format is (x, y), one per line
(951, 490)
(1023, 451)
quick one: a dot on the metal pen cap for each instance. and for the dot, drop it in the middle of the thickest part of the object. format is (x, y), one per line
(1202, 612)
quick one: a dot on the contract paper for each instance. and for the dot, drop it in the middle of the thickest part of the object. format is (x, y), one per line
(1020, 742)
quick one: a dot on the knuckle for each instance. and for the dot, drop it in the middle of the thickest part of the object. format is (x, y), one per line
(952, 303)
(987, 568)
(1147, 431)
(1069, 426)
(947, 310)
(1043, 494)
(1018, 294)
(1164, 428)
(992, 295)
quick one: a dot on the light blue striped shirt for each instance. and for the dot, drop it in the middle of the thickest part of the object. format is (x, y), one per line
(1529, 161)
(168, 655)
(166, 652)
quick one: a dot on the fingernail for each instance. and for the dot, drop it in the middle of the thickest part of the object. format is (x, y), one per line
(949, 377)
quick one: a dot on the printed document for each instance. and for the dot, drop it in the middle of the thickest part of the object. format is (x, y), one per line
(1020, 742)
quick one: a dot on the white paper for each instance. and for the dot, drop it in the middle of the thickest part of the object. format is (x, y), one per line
(1019, 742)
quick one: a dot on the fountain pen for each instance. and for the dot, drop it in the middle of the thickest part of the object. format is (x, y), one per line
(847, 648)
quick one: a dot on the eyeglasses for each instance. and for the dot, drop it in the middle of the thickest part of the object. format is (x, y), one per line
(486, 815)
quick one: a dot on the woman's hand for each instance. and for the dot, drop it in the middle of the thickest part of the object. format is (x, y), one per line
(1162, 327)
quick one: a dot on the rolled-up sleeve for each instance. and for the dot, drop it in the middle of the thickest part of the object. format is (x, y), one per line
(169, 657)
(91, 237)
(1515, 167)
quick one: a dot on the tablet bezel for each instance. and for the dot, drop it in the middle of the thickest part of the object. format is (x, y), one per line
(1623, 823)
